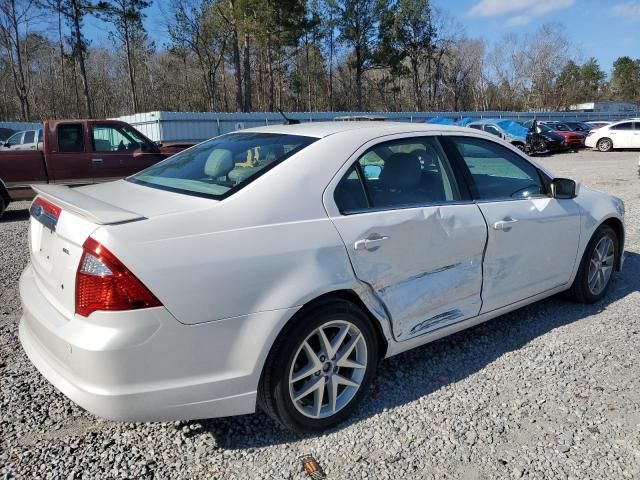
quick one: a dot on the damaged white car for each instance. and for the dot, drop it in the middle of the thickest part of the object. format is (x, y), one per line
(275, 267)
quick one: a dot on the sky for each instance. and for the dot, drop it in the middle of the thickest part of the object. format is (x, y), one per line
(604, 29)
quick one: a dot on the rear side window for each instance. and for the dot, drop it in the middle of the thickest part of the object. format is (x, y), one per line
(497, 172)
(219, 167)
(29, 136)
(70, 138)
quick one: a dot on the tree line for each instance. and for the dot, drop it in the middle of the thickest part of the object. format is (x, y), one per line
(294, 55)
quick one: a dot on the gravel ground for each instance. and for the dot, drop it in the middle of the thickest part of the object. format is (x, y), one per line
(549, 391)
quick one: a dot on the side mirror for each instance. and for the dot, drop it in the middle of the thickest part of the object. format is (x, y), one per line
(564, 188)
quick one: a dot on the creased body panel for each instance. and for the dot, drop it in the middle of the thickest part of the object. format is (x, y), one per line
(428, 270)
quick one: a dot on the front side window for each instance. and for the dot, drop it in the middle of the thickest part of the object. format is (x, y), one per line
(219, 167)
(397, 174)
(497, 172)
(623, 126)
(15, 139)
(70, 138)
(115, 138)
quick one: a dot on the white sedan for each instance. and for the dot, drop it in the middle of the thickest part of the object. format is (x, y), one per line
(275, 267)
(624, 134)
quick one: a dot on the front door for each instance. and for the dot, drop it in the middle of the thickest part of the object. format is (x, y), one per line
(119, 151)
(411, 236)
(533, 238)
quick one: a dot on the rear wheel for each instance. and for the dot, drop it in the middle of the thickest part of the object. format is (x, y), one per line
(319, 368)
(3, 206)
(605, 145)
(596, 267)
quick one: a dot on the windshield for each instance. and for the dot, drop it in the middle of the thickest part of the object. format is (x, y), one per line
(221, 166)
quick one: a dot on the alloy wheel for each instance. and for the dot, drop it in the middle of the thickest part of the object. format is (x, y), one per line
(328, 369)
(601, 265)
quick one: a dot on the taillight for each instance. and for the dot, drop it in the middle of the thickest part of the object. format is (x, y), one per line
(104, 283)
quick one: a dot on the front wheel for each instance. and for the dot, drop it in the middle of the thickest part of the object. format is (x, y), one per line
(596, 267)
(605, 145)
(320, 367)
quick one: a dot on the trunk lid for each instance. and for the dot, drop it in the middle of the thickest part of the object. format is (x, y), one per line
(56, 243)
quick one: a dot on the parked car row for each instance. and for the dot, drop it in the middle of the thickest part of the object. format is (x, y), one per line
(564, 135)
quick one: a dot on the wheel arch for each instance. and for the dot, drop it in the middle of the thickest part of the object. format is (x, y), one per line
(338, 295)
(617, 227)
(4, 195)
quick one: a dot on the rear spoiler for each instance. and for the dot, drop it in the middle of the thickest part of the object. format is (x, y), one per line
(97, 211)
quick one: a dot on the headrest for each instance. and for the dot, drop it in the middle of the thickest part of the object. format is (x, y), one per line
(427, 157)
(219, 163)
(401, 171)
(102, 145)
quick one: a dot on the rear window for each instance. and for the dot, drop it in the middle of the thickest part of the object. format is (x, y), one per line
(219, 167)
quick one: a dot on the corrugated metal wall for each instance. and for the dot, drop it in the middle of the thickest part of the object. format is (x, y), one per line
(196, 127)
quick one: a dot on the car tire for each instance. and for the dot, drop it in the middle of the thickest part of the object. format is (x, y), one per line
(602, 251)
(299, 363)
(3, 206)
(605, 144)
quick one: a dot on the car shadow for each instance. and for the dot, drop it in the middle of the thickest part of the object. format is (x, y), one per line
(18, 215)
(426, 369)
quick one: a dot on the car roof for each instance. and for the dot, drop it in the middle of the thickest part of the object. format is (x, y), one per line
(324, 129)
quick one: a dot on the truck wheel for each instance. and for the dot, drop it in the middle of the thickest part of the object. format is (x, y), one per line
(605, 145)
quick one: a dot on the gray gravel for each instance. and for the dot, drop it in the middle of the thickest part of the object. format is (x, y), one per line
(549, 391)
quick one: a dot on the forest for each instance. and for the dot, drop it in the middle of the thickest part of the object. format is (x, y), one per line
(294, 55)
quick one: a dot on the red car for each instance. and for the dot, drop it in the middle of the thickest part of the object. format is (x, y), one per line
(572, 138)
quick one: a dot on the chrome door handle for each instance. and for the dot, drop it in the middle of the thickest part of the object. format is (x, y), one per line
(504, 225)
(96, 160)
(369, 243)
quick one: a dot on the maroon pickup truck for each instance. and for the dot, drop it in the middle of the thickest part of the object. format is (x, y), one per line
(78, 152)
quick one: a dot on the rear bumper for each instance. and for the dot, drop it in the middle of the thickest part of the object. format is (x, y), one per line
(144, 365)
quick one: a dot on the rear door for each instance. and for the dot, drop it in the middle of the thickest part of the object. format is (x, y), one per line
(66, 155)
(636, 135)
(532, 238)
(29, 140)
(410, 234)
